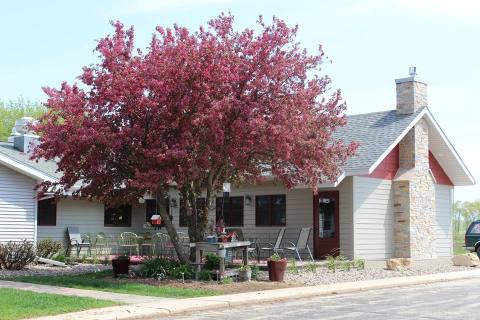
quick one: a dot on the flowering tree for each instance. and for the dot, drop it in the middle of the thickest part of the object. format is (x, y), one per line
(193, 111)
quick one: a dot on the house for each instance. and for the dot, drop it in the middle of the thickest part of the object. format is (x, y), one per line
(393, 199)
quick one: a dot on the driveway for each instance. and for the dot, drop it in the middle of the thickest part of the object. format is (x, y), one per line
(447, 300)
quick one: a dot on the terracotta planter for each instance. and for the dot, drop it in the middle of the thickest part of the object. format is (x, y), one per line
(120, 265)
(276, 269)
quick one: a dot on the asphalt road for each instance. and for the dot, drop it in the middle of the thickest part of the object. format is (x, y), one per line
(447, 300)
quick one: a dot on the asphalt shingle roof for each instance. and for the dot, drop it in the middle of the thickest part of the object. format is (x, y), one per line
(374, 132)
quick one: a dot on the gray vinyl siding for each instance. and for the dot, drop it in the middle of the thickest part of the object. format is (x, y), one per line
(17, 206)
(299, 213)
(89, 218)
(373, 216)
(443, 227)
(346, 217)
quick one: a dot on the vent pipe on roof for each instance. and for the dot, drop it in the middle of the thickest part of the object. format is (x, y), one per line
(411, 93)
(22, 138)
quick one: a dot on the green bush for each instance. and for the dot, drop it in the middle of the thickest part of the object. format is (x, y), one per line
(16, 255)
(292, 268)
(161, 268)
(311, 266)
(255, 270)
(60, 257)
(205, 275)
(47, 248)
(359, 264)
(212, 262)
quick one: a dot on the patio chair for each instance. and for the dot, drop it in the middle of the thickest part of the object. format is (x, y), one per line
(75, 240)
(302, 243)
(148, 243)
(101, 242)
(275, 247)
(129, 240)
(161, 244)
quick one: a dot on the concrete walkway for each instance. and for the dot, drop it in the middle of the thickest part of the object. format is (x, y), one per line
(102, 295)
(153, 308)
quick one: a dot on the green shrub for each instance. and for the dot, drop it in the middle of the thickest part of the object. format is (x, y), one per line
(292, 268)
(255, 270)
(205, 275)
(16, 255)
(226, 280)
(311, 266)
(275, 257)
(331, 263)
(60, 257)
(212, 262)
(47, 248)
(161, 268)
(359, 264)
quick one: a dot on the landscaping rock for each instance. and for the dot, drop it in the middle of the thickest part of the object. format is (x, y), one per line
(466, 260)
(47, 270)
(398, 264)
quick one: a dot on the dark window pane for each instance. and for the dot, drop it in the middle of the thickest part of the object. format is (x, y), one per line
(270, 210)
(150, 209)
(232, 211)
(47, 212)
(183, 211)
(118, 216)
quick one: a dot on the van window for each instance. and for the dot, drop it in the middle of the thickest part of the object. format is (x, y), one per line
(475, 229)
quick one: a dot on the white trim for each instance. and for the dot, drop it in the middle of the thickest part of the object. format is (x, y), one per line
(24, 169)
(35, 237)
(450, 146)
(425, 112)
(396, 141)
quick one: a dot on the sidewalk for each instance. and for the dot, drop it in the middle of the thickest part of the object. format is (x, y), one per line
(153, 308)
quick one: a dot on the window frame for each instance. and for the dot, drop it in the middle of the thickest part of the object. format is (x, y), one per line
(270, 211)
(129, 220)
(228, 221)
(52, 202)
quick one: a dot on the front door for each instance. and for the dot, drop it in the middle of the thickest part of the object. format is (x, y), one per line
(326, 224)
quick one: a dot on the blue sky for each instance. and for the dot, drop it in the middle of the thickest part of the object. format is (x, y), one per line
(370, 43)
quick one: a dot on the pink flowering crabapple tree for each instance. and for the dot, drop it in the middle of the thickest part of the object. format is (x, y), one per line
(193, 110)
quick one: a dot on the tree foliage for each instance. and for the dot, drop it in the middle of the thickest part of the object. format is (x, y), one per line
(464, 213)
(196, 109)
(15, 109)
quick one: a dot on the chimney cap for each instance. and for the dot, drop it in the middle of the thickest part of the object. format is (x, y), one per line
(412, 71)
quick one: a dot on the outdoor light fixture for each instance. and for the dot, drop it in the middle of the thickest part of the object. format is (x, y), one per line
(141, 200)
(226, 189)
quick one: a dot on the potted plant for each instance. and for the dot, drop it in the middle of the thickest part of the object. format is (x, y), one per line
(120, 265)
(245, 273)
(276, 267)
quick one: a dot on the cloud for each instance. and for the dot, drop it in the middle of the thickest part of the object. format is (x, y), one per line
(152, 6)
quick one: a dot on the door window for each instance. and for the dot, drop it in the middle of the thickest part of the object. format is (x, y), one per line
(326, 217)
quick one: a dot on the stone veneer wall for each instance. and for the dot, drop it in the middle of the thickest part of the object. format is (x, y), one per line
(414, 197)
(411, 96)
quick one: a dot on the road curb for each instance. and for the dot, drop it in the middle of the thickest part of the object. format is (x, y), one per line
(171, 307)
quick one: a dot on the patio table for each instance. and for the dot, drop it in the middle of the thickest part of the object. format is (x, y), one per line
(215, 247)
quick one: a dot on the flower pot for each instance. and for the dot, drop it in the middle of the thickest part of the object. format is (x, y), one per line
(120, 265)
(276, 269)
(245, 275)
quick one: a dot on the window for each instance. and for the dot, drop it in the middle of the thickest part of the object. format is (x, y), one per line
(183, 219)
(47, 212)
(270, 210)
(475, 229)
(118, 216)
(232, 211)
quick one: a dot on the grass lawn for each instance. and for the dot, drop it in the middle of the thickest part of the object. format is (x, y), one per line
(103, 281)
(19, 304)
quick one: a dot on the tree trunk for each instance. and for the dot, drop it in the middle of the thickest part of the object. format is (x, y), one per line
(172, 232)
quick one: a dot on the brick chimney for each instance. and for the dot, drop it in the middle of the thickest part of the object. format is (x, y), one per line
(411, 93)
